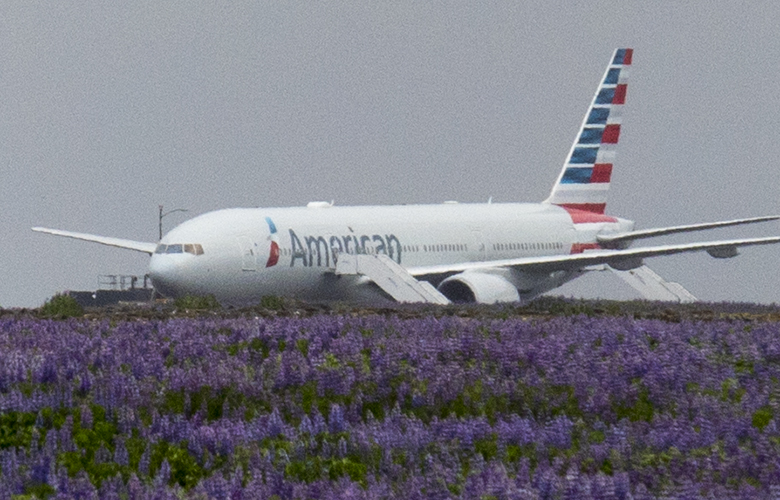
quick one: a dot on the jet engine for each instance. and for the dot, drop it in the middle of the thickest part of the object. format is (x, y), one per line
(481, 288)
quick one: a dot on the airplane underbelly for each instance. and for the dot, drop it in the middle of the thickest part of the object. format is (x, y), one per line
(304, 284)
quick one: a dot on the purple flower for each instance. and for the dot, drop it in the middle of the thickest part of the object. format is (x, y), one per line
(121, 456)
(336, 421)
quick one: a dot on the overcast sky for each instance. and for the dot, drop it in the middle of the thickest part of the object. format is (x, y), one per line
(109, 109)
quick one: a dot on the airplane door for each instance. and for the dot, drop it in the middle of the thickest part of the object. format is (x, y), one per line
(480, 249)
(248, 253)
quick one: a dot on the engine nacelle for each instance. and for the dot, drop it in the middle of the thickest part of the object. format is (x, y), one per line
(723, 252)
(626, 264)
(481, 288)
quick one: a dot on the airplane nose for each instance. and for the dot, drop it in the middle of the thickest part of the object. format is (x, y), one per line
(164, 272)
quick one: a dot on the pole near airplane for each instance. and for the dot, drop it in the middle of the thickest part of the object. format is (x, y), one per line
(483, 253)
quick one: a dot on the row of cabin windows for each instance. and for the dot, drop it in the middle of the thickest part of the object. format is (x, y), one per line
(446, 247)
(453, 247)
(529, 246)
(449, 247)
(287, 252)
(193, 248)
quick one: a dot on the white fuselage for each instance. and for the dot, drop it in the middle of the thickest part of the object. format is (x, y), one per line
(253, 252)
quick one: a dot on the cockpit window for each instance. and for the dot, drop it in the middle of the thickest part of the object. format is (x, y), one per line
(193, 248)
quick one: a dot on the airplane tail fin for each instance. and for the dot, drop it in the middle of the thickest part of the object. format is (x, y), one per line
(584, 180)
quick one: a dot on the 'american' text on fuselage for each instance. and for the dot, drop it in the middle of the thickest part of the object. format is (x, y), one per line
(323, 248)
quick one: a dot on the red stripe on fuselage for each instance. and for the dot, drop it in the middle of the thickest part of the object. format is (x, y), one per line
(587, 212)
(581, 247)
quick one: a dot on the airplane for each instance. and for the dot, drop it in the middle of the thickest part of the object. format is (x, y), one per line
(437, 253)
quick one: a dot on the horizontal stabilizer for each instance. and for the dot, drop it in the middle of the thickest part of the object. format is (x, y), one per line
(138, 246)
(621, 240)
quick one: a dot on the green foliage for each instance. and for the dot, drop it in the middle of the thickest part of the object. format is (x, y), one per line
(309, 395)
(303, 346)
(173, 402)
(652, 342)
(61, 306)
(259, 345)
(347, 467)
(198, 302)
(731, 391)
(488, 447)
(331, 362)
(272, 302)
(642, 409)
(308, 470)
(36, 491)
(742, 365)
(659, 460)
(88, 442)
(762, 417)
(314, 468)
(16, 429)
(514, 453)
(596, 436)
(185, 470)
(558, 307)
(210, 400)
(135, 446)
(545, 402)
(377, 409)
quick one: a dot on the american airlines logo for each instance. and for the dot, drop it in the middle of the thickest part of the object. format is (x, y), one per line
(319, 251)
(273, 253)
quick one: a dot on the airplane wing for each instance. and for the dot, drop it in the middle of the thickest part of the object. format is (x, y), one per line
(138, 246)
(619, 259)
(618, 240)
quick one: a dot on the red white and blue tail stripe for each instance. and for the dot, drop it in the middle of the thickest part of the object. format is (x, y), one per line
(584, 181)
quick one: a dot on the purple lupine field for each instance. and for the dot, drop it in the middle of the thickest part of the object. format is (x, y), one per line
(381, 406)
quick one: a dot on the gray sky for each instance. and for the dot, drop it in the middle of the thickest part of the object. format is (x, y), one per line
(108, 109)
